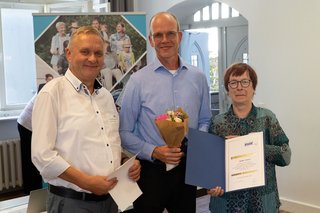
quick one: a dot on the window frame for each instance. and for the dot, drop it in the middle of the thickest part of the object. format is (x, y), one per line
(13, 110)
(7, 110)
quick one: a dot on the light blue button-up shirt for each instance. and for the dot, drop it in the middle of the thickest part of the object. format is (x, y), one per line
(152, 91)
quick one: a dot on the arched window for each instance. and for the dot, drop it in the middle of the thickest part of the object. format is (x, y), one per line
(215, 11)
(227, 42)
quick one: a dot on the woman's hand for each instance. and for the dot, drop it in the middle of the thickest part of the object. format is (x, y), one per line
(216, 192)
(231, 136)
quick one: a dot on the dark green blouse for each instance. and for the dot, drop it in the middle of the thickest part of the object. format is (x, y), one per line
(277, 152)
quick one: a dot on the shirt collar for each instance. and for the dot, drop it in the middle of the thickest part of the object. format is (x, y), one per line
(78, 85)
(157, 66)
(250, 117)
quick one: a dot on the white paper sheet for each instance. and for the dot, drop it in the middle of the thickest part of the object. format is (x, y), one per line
(126, 191)
(245, 162)
(170, 166)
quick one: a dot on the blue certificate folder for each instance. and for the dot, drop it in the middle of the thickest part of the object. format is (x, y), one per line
(205, 160)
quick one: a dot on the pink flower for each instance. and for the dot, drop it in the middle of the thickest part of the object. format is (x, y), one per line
(162, 117)
(173, 126)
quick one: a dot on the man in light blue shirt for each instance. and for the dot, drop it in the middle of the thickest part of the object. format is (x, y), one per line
(167, 83)
(151, 92)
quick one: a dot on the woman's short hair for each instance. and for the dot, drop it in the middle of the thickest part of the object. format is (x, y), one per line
(238, 69)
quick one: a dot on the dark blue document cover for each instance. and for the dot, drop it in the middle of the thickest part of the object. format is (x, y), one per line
(205, 160)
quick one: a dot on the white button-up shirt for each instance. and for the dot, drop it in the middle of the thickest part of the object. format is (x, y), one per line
(25, 117)
(72, 127)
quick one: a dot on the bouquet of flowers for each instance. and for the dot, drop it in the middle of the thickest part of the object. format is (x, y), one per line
(173, 127)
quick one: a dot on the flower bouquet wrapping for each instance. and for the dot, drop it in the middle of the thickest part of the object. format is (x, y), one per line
(173, 127)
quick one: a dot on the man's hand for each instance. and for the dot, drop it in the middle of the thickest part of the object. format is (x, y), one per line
(134, 171)
(168, 155)
(100, 185)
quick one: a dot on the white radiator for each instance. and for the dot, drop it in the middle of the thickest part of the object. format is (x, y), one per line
(10, 164)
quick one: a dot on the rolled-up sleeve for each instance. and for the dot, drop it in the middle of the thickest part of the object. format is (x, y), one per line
(44, 133)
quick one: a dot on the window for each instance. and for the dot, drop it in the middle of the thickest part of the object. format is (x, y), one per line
(218, 11)
(224, 11)
(17, 58)
(197, 16)
(234, 13)
(213, 55)
(227, 42)
(245, 58)
(194, 60)
(215, 11)
(18, 68)
(206, 13)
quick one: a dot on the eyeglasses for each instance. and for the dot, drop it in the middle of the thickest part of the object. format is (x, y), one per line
(234, 84)
(169, 35)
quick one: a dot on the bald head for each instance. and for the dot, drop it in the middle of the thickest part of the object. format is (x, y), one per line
(162, 15)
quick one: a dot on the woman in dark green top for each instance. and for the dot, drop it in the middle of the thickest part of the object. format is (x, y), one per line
(242, 118)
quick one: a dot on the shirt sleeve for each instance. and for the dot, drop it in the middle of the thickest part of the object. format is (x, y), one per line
(205, 112)
(44, 134)
(277, 151)
(129, 114)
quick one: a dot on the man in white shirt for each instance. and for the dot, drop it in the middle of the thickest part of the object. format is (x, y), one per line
(32, 179)
(75, 141)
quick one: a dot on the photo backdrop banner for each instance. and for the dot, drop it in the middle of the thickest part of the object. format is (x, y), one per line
(124, 35)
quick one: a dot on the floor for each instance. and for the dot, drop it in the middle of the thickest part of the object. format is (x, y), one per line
(203, 205)
(202, 202)
(11, 195)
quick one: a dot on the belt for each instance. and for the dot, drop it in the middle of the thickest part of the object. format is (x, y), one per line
(70, 193)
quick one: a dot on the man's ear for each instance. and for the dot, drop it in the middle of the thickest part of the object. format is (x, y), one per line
(180, 36)
(68, 54)
(151, 41)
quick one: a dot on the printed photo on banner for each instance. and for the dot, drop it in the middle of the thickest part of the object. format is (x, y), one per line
(125, 42)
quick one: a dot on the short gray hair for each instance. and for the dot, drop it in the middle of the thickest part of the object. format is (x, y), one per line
(85, 30)
(60, 23)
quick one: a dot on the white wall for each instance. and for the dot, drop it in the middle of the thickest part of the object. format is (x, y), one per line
(284, 48)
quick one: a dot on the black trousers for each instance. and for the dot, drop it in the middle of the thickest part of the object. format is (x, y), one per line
(164, 189)
(31, 177)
